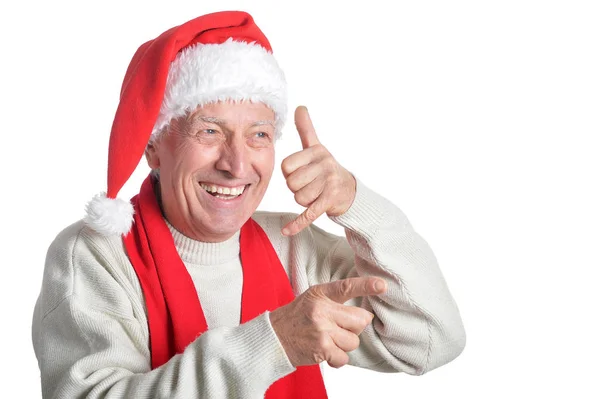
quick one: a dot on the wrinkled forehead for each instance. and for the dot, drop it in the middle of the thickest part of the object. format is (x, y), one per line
(200, 120)
(231, 114)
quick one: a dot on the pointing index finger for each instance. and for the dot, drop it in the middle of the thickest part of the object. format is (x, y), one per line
(305, 128)
(342, 291)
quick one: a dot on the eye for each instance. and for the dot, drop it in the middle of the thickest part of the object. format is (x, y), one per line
(206, 135)
(260, 139)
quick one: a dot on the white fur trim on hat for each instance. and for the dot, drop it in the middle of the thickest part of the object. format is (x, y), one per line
(208, 73)
(109, 216)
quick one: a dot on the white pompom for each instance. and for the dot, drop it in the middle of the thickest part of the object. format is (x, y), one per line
(109, 216)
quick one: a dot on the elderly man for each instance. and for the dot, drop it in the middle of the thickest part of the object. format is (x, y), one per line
(187, 291)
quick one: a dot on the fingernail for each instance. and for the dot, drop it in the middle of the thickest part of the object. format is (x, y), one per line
(379, 285)
(285, 231)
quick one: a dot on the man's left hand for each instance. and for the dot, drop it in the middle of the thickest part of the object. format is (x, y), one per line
(317, 180)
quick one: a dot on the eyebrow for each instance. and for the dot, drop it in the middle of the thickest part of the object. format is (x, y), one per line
(219, 121)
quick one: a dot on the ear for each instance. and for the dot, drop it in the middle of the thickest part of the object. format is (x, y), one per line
(152, 156)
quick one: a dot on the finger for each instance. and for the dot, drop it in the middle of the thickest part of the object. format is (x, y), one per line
(344, 339)
(308, 194)
(299, 159)
(337, 358)
(305, 128)
(303, 176)
(304, 220)
(343, 290)
(351, 318)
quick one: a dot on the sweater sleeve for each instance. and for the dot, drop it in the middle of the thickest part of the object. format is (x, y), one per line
(90, 337)
(417, 325)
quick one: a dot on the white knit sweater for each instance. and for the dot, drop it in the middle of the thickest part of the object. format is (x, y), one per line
(90, 331)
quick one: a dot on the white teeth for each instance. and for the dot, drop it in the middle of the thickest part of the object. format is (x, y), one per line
(223, 190)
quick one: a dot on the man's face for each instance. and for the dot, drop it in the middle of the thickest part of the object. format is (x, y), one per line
(207, 159)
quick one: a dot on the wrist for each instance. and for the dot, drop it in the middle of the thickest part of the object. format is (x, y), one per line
(348, 195)
(276, 318)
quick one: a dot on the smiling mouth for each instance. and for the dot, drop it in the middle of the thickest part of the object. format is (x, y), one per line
(226, 193)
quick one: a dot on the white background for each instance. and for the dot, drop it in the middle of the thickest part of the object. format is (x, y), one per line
(479, 119)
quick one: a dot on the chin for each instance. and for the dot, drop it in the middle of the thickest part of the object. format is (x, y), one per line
(222, 228)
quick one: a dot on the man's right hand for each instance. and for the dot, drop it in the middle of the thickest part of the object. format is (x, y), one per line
(317, 326)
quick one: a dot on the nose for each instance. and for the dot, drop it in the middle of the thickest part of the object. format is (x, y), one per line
(233, 158)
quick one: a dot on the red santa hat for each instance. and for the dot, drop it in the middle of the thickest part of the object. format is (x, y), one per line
(215, 57)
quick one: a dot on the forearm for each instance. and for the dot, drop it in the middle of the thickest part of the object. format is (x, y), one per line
(417, 325)
(99, 362)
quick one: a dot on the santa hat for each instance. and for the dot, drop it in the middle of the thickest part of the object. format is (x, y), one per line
(215, 57)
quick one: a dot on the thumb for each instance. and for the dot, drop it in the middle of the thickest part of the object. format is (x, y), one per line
(305, 128)
(341, 291)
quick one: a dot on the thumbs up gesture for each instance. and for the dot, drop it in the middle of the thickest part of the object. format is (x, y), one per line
(317, 180)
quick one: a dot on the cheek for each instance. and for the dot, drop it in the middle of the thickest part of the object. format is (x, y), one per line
(190, 158)
(265, 162)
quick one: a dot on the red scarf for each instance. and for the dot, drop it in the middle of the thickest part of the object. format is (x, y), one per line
(175, 316)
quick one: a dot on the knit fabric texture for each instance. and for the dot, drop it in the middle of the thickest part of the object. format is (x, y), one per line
(90, 331)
